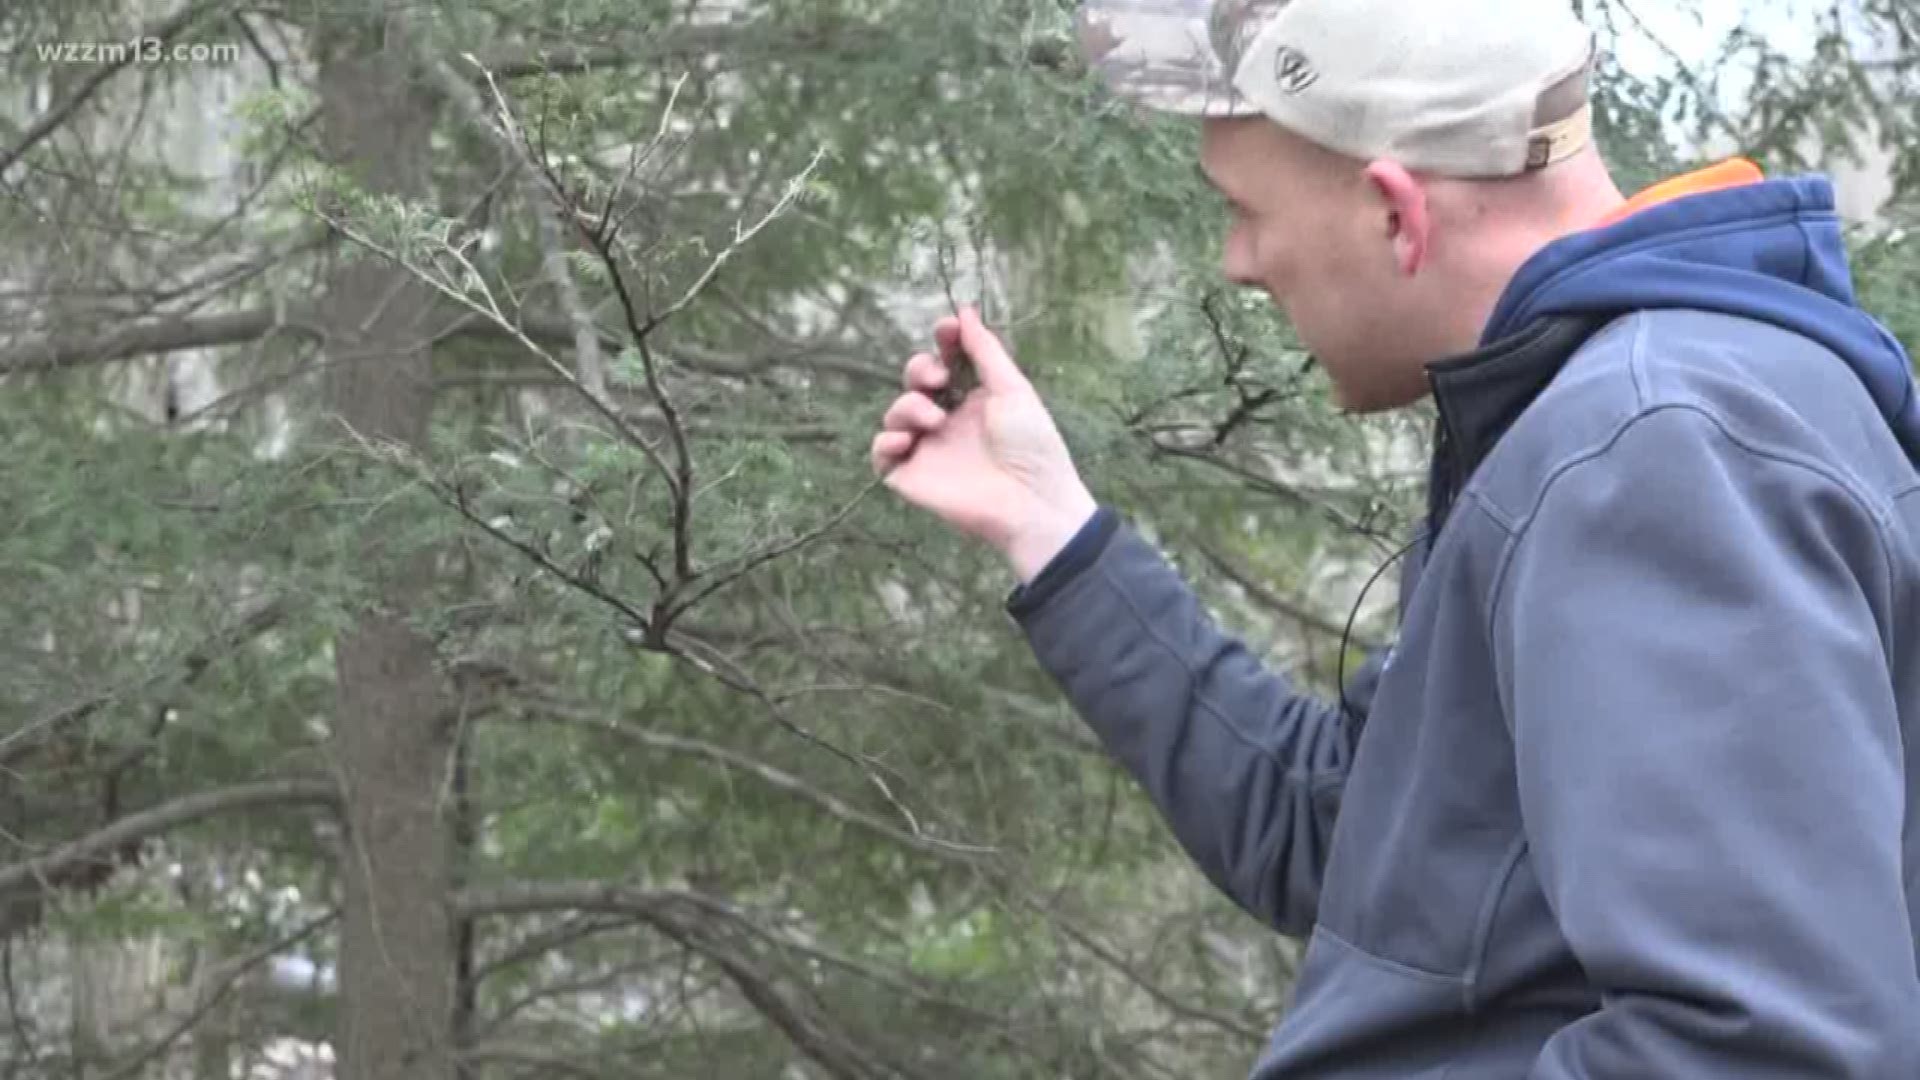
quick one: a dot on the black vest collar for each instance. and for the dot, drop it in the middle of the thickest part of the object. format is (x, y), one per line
(1480, 394)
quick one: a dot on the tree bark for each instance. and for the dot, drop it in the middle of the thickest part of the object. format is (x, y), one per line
(391, 737)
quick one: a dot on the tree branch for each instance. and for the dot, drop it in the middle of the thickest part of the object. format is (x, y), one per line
(17, 743)
(547, 1061)
(684, 43)
(680, 480)
(738, 568)
(603, 897)
(454, 497)
(844, 1061)
(766, 774)
(586, 339)
(548, 940)
(598, 978)
(1263, 483)
(694, 355)
(165, 818)
(721, 668)
(840, 1057)
(177, 333)
(742, 235)
(1274, 602)
(1168, 1000)
(489, 308)
(147, 337)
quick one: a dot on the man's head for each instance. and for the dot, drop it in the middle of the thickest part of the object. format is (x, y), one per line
(1388, 163)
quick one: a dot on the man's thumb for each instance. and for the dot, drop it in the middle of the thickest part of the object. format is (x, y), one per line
(990, 358)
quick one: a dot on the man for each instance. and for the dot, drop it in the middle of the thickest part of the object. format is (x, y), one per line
(1637, 792)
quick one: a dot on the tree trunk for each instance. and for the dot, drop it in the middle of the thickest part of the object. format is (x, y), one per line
(391, 738)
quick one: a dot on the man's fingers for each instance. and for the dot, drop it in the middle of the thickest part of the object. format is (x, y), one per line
(925, 374)
(998, 373)
(946, 336)
(913, 413)
(890, 448)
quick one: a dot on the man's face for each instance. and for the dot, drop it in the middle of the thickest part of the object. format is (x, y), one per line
(1309, 230)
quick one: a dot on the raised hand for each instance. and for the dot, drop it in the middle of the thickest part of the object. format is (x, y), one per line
(995, 467)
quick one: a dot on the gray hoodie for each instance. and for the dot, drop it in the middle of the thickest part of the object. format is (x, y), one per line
(1635, 793)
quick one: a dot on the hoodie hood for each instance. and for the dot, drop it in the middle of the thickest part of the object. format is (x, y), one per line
(1772, 251)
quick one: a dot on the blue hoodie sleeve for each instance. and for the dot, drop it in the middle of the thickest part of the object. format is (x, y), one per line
(1245, 767)
(1692, 636)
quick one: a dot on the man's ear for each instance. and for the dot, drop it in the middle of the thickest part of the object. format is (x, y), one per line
(1403, 211)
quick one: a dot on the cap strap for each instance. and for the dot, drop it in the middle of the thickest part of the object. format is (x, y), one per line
(1563, 116)
(1559, 140)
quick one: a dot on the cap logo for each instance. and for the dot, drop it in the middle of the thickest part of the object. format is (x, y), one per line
(1292, 71)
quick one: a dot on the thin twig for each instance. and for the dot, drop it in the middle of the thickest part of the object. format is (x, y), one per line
(746, 564)
(639, 157)
(1274, 602)
(766, 774)
(739, 681)
(741, 237)
(492, 312)
(1684, 70)
(454, 497)
(540, 202)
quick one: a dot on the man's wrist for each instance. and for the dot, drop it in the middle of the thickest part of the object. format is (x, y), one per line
(1033, 546)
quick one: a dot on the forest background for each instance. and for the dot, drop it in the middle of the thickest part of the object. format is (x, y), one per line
(452, 629)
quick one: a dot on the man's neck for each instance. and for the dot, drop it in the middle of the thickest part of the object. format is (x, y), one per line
(1588, 206)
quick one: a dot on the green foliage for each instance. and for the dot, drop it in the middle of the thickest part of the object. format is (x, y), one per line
(1886, 268)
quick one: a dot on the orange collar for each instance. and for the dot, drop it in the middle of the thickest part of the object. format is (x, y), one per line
(1735, 172)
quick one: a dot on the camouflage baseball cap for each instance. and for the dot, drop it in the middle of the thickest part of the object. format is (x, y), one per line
(1479, 88)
